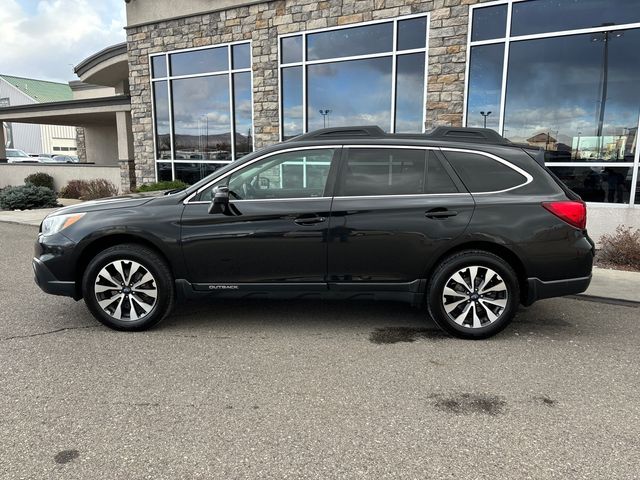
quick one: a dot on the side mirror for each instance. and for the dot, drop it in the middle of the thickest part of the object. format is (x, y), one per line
(220, 201)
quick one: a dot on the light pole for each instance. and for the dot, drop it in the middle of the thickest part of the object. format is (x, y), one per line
(484, 117)
(325, 114)
(578, 147)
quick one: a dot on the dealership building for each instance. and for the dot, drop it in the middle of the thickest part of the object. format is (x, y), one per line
(211, 80)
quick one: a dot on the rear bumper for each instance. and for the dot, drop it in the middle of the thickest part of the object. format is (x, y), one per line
(538, 289)
(48, 283)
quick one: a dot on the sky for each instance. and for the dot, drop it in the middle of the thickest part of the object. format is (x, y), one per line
(45, 39)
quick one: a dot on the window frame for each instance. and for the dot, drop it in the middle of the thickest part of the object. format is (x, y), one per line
(229, 72)
(506, 41)
(394, 53)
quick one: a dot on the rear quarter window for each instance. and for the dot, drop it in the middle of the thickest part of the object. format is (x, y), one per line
(481, 174)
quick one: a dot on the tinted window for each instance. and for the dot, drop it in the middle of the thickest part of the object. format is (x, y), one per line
(291, 49)
(438, 180)
(241, 55)
(199, 61)
(412, 33)
(242, 109)
(483, 174)
(301, 174)
(485, 84)
(541, 16)
(409, 88)
(489, 23)
(291, 102)
(161, 106)
(597, 184)
(379, 171)
(347, 42)
(190, 173)
(159, 66)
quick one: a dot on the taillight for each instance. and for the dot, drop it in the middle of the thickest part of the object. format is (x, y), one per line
(572, 212)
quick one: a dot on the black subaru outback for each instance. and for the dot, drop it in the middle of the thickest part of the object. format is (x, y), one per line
(458, 220)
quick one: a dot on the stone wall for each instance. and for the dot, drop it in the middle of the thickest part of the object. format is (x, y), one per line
(81, 144)
(262, 23)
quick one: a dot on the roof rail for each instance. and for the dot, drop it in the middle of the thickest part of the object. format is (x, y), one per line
(341, 132)
(469, 134)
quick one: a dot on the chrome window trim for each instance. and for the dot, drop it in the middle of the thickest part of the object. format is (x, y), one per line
(519, 170)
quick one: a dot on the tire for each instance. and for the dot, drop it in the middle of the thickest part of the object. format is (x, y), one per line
(479, 312)
(150, 290)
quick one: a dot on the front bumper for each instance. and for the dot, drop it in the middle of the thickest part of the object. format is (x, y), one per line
(538, 289)
(48, 283)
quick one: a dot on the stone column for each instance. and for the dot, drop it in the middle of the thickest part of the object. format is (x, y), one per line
(125, 151)
(3, 151)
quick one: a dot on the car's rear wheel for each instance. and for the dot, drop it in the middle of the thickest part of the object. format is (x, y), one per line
(128, 287)
(473, 294)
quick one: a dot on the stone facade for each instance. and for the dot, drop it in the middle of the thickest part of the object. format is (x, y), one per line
(262, 23)
(81, 145)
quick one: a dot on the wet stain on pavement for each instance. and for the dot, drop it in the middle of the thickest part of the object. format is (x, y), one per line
(66, 456)
(405, 334)
(470, 403)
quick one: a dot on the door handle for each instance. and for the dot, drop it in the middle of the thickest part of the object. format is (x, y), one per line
(440, 213)
(309, 220)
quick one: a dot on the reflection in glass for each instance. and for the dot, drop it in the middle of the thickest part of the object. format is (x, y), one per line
(357, 92)
(582, 102)
(199, 61)
(241, 56)
(412, 33)
(409, 96)
(291, 102)
(161, 106)
(242, 113)
(291, 49)
(201, 121)
(190, 173)
(597, 184)
(489, 23)
(163, 170)
(485, 84)
(542, 16)
(348, 42)
(159, 66)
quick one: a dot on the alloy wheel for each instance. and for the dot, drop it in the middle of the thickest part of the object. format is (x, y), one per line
(475, 296)
(126, 290)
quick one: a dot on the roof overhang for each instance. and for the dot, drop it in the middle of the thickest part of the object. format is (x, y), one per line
(108, 67)
(76, 113)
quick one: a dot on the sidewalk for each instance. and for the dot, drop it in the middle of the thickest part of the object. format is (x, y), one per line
(606, 283)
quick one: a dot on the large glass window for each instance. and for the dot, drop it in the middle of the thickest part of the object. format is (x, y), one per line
(348, 76)
(202, 109)
(571, 88)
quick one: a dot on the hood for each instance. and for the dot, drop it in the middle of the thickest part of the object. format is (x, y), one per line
(123, 201)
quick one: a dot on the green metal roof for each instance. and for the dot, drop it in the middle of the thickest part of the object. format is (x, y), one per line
(41, 91)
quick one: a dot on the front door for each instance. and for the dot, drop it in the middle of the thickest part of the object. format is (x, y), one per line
(278, 231)
(394, 208)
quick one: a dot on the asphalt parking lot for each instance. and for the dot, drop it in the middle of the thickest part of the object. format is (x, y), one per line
(311, 390)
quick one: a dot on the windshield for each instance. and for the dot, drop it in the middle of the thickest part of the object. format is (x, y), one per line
(16, 153)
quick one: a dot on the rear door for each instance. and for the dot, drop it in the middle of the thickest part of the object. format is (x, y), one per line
(394, 207)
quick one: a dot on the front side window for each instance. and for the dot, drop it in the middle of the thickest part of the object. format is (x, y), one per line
(299, 174)
(393, 171)
(370, 74)
(202, 104)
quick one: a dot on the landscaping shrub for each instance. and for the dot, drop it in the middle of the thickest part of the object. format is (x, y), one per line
(621, 248)
(98, 188)
(27, 197)
(166, 185)
(40, 179)
(73, 189)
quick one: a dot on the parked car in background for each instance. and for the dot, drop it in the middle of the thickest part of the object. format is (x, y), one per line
(459, 221)
(15, 155)
(63, 159)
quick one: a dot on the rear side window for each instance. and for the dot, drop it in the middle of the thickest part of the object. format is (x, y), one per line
(393, 171)
(483, 174)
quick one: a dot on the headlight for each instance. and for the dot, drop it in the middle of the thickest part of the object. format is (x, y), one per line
(57, 223)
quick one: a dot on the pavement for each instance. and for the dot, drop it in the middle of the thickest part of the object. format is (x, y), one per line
(606, 283)
(259, 389)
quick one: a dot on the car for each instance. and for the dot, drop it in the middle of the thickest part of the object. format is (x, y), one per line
(457, 221)
(63, 159)
(15, 155)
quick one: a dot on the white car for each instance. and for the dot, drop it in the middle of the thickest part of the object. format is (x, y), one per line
(15, 155)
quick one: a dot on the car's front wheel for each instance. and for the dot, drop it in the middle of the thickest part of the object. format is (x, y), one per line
(473, 294)
(128, 287)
